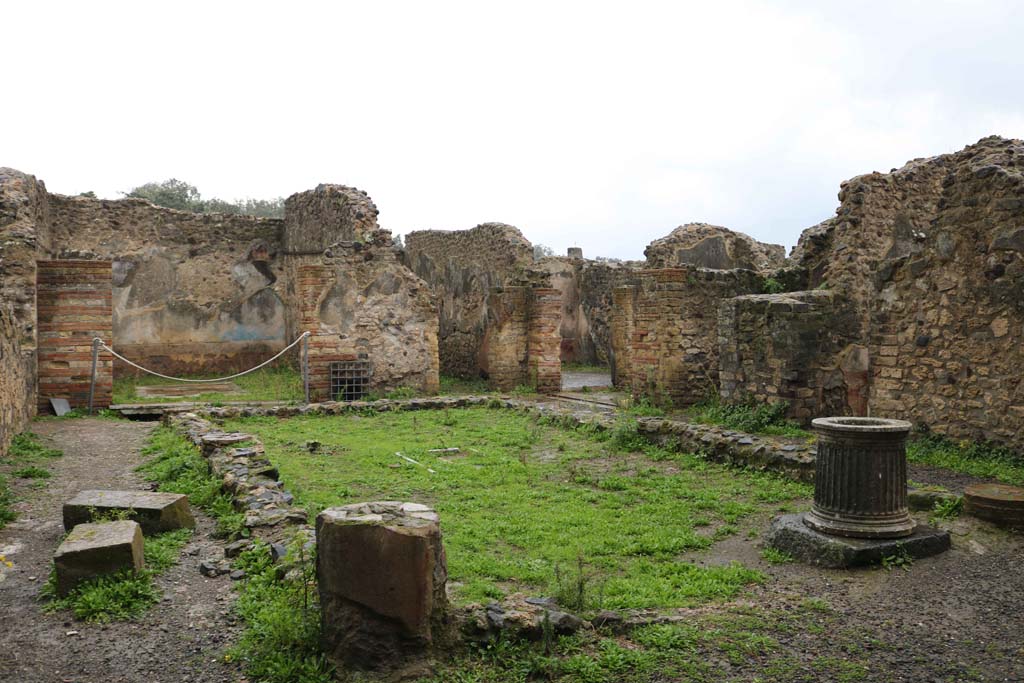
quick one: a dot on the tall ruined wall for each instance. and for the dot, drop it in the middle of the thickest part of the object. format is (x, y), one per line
(361, 303)
(665, 331)
(932, 255)
(17, 380)
(24, 238)
(313, 221)
(462, 267)
(714, 247)
(192, 292)
(800, 348)
(598, 281)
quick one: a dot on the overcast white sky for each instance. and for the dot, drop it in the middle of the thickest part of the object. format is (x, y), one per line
(601, 125)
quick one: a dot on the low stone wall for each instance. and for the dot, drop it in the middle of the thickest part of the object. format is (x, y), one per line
(17, 380)
(665, 336)
(799, 348)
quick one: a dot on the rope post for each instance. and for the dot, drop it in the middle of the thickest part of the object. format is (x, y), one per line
(96, 341)
(305, 365)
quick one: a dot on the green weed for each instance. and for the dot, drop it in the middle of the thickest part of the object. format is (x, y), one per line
(32, 472)
(951, 508)
(977, 459)
(753, 418)
(776, 556)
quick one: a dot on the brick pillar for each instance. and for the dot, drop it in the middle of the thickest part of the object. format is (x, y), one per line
(622, 324)
(506, 337)
(544, 340)
(73, 306)
(324, 349)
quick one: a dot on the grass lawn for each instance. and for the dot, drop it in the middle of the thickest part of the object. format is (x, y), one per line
(527, 506)
(281, 383)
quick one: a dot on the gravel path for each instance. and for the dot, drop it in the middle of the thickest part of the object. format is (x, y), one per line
(180, 640)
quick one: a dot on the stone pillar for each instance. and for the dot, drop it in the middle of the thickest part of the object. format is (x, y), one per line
(505, 341)
(860, 481)
(381, 573)
(575, 252)
(544, 340)
(622, 323)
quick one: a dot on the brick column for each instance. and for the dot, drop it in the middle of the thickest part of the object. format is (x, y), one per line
(324, 349)
(544, 340)
(73, 306)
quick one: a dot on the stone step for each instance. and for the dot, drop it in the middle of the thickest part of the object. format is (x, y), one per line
(155, 512)
(1000, 504)
(93, 550)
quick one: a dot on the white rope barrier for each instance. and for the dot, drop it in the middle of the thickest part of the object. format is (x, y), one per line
(203, 381)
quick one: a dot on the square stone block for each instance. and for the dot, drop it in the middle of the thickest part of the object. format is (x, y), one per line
(788, 533)
(93, 550)
(155, 512)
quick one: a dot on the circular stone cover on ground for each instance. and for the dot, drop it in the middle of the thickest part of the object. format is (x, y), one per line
(997, 503)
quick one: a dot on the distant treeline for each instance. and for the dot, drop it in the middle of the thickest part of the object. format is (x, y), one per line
(177, 194)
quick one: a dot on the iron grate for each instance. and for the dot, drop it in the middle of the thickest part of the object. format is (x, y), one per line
(350, 380)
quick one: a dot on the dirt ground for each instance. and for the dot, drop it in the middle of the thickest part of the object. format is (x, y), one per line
(180, 640)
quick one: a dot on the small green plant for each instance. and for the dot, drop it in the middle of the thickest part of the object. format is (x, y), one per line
(7, 513)
(401, 393)
(281, 642)
(32, 472)
(900, 559)
(772, 286)
(775, 556)
(28, 447)
(524, 390)
(572, 589)
(947, 509)
(753, 418)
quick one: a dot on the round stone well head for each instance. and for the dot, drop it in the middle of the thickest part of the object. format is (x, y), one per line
(860, 479)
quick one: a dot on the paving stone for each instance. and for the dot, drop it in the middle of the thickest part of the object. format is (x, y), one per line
(99, 549)
(155, 512)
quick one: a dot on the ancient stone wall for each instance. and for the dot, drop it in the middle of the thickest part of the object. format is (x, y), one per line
(192, 292)
(932, 255)
(17, 380)
(24, 238)
(666, 343)
(522, 341)
(461, 268)
(504, 346)
(714, 247)
(360, 303)
(800, 348)
(74, 307)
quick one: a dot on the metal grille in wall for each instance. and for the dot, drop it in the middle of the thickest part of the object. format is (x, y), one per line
(350, 380)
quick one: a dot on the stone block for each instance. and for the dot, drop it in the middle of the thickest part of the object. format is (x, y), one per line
(789, 534)
(1000, 504)
(155, 512)
(93, 550)
(381, 573)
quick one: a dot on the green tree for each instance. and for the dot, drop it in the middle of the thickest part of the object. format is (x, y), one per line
(173, 193)
(177, 194)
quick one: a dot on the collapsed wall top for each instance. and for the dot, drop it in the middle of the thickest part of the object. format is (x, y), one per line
(317, 218)
(712, 246)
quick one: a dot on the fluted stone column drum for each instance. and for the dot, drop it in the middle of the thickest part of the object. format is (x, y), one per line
(860, 480)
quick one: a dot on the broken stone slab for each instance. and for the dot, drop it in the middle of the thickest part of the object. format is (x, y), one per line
(381, 573)
(155, 512)
(789, 534)
(100, 549)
